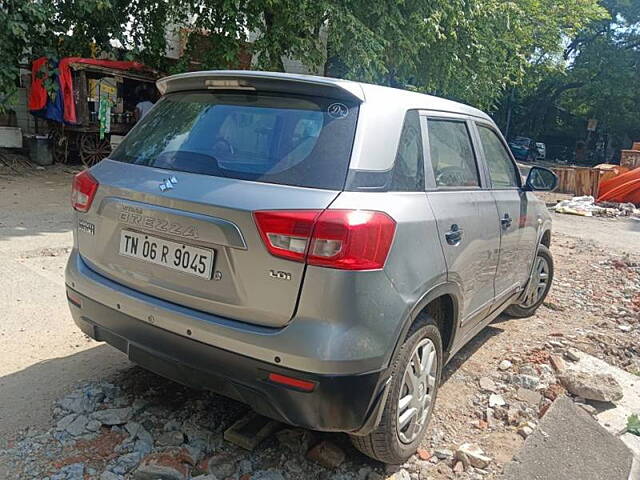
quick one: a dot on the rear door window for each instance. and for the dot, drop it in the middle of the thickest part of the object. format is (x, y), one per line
(451, 152)
(289, 140)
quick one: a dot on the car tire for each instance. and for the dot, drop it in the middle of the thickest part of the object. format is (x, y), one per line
(385, 443)
(523, 310)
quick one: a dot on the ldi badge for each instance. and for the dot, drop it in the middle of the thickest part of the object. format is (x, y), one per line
(279, 274)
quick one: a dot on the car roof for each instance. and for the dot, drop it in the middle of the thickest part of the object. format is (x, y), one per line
(348, 89)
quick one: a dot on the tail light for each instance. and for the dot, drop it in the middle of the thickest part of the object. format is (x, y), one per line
(83, 190)
(344, 239)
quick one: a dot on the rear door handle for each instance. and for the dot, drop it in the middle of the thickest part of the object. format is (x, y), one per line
(454, 236)
(506, 221)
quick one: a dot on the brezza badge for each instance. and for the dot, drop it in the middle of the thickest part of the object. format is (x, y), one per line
(149, 222)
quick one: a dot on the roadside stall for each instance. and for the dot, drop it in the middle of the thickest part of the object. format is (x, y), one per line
(88, 104)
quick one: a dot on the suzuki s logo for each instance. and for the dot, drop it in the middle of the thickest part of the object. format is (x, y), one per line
(168, 183)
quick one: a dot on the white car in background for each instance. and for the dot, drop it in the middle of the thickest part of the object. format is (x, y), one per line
(541, 151)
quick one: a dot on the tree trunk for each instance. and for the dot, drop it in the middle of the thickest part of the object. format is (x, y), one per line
(274, 52)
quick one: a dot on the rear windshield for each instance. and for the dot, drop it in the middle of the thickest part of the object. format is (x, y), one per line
(284, 139)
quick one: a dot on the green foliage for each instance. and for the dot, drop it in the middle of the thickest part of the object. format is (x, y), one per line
(597, 76)
(24, 29)
(470, 50)
(633, 424)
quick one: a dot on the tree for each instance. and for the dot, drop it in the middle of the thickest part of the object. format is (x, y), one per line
(24, 29)
(597, 76)
(470, 50)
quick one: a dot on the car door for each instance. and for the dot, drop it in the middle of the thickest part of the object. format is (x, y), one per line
(465, 213)
(517, 222)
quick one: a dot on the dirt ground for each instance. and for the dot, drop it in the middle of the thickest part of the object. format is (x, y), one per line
(593, 306)
(42, 353)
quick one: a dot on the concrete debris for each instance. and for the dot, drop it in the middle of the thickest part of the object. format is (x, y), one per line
(74, 471)
(592, 386)
(250, 430)
(529, 396)
(171, 464)
(471, 454)
(504, 365)
(564, 447)
(557, 362)
(107, 475)
(496, 400)
(571, 355)
(401, 474)
(487, 384)
(221, 465)
(443, 453)
(326, 454)
(125, 463)
(267, 475)
(295, 439)
(112, 416)
(527, 381)
(78, 426)
(171, 439)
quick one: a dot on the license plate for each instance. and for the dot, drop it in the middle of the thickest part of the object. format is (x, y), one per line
(177, 256)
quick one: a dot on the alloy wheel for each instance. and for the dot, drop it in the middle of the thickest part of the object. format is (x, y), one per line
(417, 391)
(538, 282)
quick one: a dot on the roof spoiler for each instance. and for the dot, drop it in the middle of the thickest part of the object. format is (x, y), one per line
(262, 81)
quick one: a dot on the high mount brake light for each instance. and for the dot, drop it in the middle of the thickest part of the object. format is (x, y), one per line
(343, 239)
(83, 191)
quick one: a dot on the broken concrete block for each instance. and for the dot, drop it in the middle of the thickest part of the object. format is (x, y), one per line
(557, 362)
(250, 431)
(470, 454)
(568, 444)
(601, 387)
(112, 416)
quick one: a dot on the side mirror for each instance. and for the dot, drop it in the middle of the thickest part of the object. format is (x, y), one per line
(541, 179)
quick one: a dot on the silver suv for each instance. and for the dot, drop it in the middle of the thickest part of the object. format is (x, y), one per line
(315, 248)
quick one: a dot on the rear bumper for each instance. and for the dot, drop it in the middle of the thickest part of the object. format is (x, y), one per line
(348, 403)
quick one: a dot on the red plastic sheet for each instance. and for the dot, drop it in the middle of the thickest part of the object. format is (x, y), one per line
(623, 188)
(38, 95)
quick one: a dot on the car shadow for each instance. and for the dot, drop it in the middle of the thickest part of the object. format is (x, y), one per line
(466, 352)
(27, 396)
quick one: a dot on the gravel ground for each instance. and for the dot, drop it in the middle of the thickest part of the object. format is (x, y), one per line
(71, 409)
